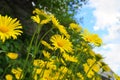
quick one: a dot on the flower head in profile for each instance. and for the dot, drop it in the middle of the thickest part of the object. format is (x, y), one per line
(36, 18)
(62, 43)
(40, 12)
(9, 77)
(12, 55)
(55, 21)
(92, 38)
(9, 28)
(70, 58)
(75, 27)
(41, 17)
(46, 44)
(61, 28)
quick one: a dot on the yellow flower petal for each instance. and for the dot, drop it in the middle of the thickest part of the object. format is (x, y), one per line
(9, 28)
(12, 55)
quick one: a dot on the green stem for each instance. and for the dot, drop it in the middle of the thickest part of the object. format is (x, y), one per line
(5, 71)
(44, 37)
(36, 42)
(28, 53)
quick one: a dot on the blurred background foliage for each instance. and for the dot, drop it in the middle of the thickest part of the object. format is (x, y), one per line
(63, 9)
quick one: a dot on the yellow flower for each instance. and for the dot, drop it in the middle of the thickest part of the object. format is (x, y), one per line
(12, 55)
(45, 21)
(62, 43)
(55, 21)
(46, 54)
(8, 77)
(63, 69)
(80, 76)
(40, 12)
(46, 75)
(37, 70)
(46, 44)
(17, 72)
(39, 63)
(88, 70)
(90, 74)
(86, 67)
(51, 65)
(96, 68)
(63, 31)
(92, 38)
(41, 17)
(9, 28)
(106, 68)
(75, 27)
(63, 62)
(91, 62)
(61, 28)
(69, 58)
(36, 18)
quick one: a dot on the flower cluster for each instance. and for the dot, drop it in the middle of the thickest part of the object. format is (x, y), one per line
(59, 53)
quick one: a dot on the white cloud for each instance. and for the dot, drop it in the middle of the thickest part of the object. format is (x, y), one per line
(111, 54)
(107, 14)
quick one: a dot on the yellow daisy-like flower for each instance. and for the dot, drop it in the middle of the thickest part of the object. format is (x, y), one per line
(12, 55)
(17, 72)
(9, 28)
(75, 27)
(92, 38)
(62, 43)
(69, 58)
(9, 77)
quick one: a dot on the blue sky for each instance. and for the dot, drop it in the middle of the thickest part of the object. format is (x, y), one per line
(104, 19)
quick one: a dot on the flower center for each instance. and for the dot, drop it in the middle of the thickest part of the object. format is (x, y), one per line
(4, 29)
(60, 44)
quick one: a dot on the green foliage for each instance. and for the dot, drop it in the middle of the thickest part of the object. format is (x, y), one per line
(64, 10)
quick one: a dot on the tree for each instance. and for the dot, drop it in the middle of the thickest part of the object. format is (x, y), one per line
(23, 8)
